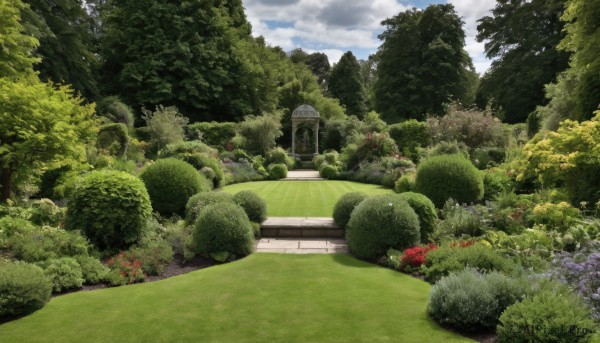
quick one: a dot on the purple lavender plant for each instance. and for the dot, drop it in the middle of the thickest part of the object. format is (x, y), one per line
(581, 270)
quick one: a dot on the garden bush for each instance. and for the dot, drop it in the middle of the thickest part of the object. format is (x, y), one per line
(213, 133)
(115, 110)
(409, 136)
(328, 171)
(223, 231)
(462, 220)
(447, 148)
(45, 243)
(278, 171)
(380, 223)
(559, 217)
(484, 158)
(425, 210)
(110, 207)
(254, 206)
(369, 148)
(472, 301)
(24, 288)
(199, 201)
(201, 161)
(165, 126)
(345, 205)
(242, 171)
(546, 317)
(170, 183)
(279, 156)
(10, 226)
(64, 273)
(45, 212)
(318, 161)
(406, 183)
(92, 269)
(154, 252)
(125, 269)
(113, 138)
(448, 259)
(450, 176)
(495, 182)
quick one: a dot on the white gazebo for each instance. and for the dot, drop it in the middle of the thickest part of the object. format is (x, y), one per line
(305, 121)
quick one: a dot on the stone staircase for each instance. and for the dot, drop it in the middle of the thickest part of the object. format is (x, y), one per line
(301, 227)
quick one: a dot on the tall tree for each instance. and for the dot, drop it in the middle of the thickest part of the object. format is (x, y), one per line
(16, 47)
(583, 39)
(421, 63)
(345, 84)
(318, 63)
(191, 54)
(522, 35)
(64, 30)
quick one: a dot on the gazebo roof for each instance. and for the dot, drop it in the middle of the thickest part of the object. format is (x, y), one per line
(305, 111)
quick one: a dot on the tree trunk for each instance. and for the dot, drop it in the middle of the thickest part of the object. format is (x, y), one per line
(6, 180)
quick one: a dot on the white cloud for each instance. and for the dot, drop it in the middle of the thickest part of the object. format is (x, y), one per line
(333, 55)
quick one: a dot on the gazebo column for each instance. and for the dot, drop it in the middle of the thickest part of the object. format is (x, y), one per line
(316, 134)
(294, 140)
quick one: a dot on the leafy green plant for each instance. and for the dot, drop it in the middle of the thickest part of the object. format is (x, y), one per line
(223, 229)
(110, 207)
(328, 171)
(279, 156)
(64, 273)
(170, 183)
(125, 269)
(114, 139)
(547, 317)
(24, 288)
(199, 201)
(254, 206)
(409, 136)
(165, 126)
(380, 223)
(406, 183)
(425, 210)
(154, 252)
(345, 206)
(449, 176)
(278, 171)
(44, 243)
(92, 270)
(213, 133)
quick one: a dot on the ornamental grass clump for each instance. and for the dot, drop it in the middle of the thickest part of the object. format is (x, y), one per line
(380, 223)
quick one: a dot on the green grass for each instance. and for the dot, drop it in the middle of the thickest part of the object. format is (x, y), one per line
(304, 198)
(262, 298)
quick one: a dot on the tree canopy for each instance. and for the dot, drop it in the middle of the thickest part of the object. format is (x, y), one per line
(421, 64)
(522, 35)
(16, 52)
(346, 85)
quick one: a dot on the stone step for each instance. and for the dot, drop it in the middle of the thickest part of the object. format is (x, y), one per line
(301, 227)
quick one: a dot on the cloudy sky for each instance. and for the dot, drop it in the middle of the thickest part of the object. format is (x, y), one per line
(336, 26)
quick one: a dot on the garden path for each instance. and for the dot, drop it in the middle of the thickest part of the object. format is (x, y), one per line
(300, 175)
(302, 245)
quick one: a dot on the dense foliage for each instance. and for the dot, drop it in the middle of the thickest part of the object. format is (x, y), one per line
(344, 84)
(426, 211)
(23, 288)
(198, 202)
(380, 223)
(345, 206)
(110, 207)
(254, 206)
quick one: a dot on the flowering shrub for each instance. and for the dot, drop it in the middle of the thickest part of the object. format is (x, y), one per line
(582, 271)
(369, 148)
(125, 269)
(415, 257)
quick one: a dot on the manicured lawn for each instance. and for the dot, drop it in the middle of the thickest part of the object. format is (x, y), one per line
(304, 198)
(262, 298)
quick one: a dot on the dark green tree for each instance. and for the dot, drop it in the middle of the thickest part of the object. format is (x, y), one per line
(64, 30)
(318, 63)
(345, 84)
(522, 35)
(421, 64)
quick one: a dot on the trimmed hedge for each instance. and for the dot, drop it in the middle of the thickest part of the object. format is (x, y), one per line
(170, 183)
(278, 171)
(254, 206)
(410, 135)
(24, 288)
(406, 183)
(223, 231)
(449, 176)
(110, 207)
(213, 133)
(380, 223)
(345, 205)
(199, 201)
(328, 171)
(65, 273)
(425, 209)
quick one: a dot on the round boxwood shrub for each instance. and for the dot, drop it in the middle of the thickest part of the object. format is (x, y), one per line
(425, 209)
(92, 269)
(278, 171)
(546, 317)
(345, 205)
(199, 201)
(23, 288)
(223, 231)
(170, 183)
(64, 273)
(110, 207)
(380, 223)
(318, 161)
(406, 183)
(449, 176)
(472, 301)
(255, 206)
(328, 171)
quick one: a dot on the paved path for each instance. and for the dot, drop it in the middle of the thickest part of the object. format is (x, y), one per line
(301, 175)
(302, 245)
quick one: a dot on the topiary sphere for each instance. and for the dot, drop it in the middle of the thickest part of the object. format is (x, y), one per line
(199, 201)
(380, 223)
(24, 288)
(328, 171)
(425, 210)
(223, 229)
(449, 176)
(170, 183)
(110, 207)
(255, 206)
(345, 205)
(278, 171)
